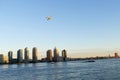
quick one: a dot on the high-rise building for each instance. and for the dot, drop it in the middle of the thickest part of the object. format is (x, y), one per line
(64, 55)
(20, 56)
(26, 55)
(3, 59)
(49, 55)
(35, 54)
(116, 55)
(10, 56)
(56, 54)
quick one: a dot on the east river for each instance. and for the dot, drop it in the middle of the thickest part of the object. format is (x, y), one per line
(106, 69)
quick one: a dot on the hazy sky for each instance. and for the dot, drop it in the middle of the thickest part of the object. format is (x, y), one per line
(80, 26)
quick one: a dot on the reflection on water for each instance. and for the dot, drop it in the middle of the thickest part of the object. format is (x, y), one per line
(108, 69)
(5, 66)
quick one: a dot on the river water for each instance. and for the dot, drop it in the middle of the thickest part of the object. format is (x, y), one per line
(106, 69)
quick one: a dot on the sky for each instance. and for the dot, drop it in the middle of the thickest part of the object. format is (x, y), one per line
(82, 27)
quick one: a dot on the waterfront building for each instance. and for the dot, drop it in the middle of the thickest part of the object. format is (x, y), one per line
(49, 56)
(26, 55)
(64, 55)
(116, 55)
(3, 59)
(56, 54)
(10, 56)
(20, 56)
(35, 54)
(14, 60)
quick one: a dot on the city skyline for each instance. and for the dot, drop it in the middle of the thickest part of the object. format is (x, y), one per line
(51, 56)
(83, 28)
(23, 56)
(28, 52)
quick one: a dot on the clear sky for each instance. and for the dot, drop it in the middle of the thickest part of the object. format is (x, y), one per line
(82, 27)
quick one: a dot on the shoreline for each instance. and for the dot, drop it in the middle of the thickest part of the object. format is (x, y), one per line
(71, 59)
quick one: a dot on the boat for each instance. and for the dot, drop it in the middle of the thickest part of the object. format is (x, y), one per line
(89, 61)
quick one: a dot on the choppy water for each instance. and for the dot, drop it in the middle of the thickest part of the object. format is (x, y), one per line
(108, 69)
